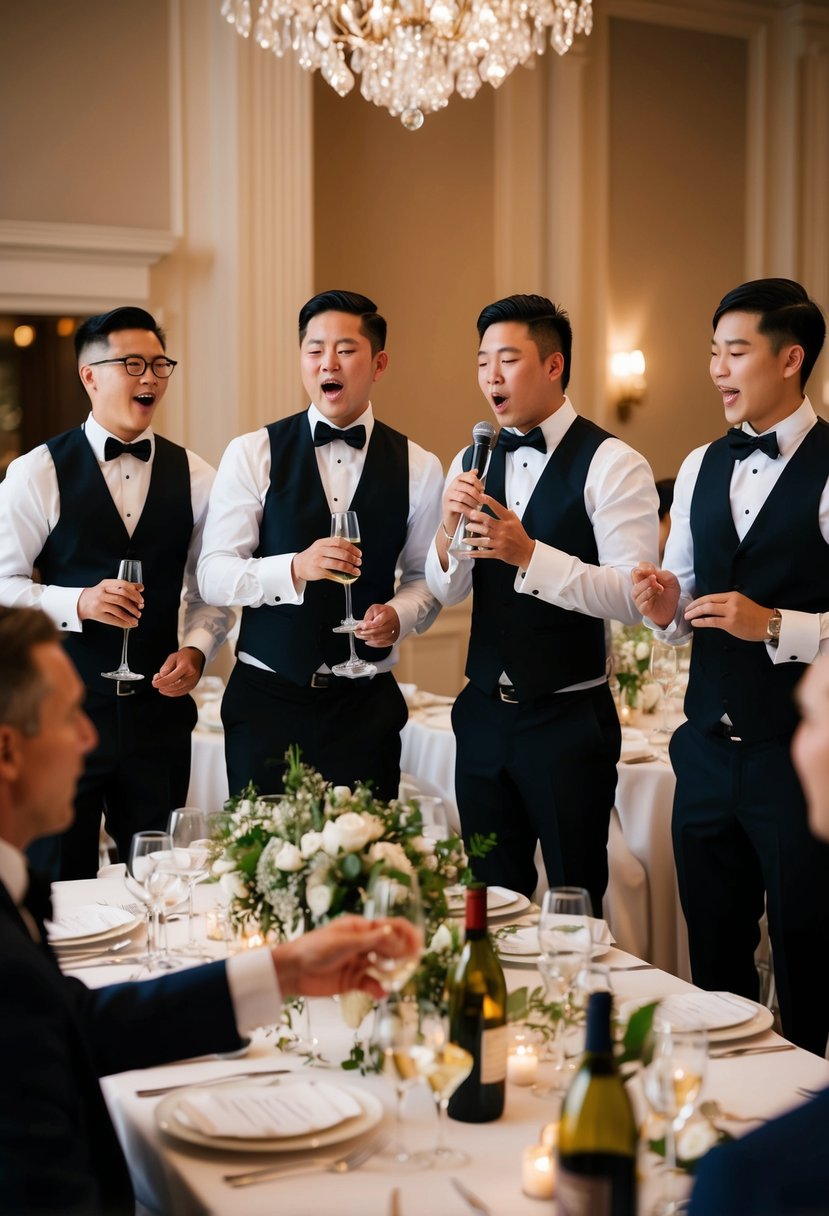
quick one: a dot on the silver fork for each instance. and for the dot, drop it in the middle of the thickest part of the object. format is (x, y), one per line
(476, 1204)
(332, 1165)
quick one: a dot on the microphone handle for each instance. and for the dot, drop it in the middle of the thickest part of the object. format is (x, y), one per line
(480, 462)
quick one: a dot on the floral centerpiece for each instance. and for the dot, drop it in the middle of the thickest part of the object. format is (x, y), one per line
(631, 653)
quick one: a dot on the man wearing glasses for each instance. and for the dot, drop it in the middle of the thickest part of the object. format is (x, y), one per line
(70, 511)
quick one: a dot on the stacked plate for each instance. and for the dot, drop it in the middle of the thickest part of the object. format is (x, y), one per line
(518, 946)
(500, 902)
(290, 1115)
(92, 929)
(723, 1014)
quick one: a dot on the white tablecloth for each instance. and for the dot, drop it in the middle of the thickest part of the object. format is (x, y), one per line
(172, 1177)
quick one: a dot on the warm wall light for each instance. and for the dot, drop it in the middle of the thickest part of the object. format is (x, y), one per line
(627, 370)
(24, 335)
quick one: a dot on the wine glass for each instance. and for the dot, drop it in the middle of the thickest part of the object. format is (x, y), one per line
(565, 940)
(672, 1083)
(189, 858)
(345, 524)
(443, 1065)
(664, 666)
(396, 1030)
(393, 895)
(129, 571)
(151, 884)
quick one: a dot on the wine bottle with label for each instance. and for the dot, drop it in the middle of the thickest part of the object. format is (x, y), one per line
(597, 1135)
(478, 1019)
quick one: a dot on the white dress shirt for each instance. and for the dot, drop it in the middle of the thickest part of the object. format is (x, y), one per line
(30, 510)
(251, 976)
(621, 503)
(803, 635)
(230, 574)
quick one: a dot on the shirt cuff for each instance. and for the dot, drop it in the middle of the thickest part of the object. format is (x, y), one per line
(548, 569)
(202, 640)
(254, 989)
(799, 638)
(276, 580)
(61, 604)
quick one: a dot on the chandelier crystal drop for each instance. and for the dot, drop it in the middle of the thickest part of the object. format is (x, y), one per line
(411, 55)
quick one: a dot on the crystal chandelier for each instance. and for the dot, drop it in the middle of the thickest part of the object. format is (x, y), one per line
(411, 54)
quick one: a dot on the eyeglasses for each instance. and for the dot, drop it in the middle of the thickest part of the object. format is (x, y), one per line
(136, 366)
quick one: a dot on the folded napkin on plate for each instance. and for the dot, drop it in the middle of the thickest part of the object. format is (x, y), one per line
(706, 1010)
(518, 941)
(86, 921)
(599, 929)
(267, 1111)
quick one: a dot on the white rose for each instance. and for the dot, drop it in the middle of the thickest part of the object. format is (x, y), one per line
(424, 845)
(319, 901)
(648, 697)
(234, 884)
(243, 809)
(441, 940)
(288, 858)
(222, 865)
(375, 825)
(341, 792)
(310, 843)
(695, 1139)
(643, 651)
(390, 853)
(348, 832)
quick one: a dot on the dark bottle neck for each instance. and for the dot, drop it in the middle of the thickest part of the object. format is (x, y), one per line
(598, 1040)
(475, 913)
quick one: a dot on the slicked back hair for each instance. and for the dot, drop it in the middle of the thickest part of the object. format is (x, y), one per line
(372, 325)
(787, 314)
(548, 326)
(98, 328)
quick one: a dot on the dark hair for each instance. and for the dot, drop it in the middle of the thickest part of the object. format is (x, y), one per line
(22, 686)
(786, 312)
(549, 326)
(665, 490)
(372, 325)
(98, 328)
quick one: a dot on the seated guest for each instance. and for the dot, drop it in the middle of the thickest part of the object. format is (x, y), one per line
(665, 490)
(783, 1168)
(59, 1150)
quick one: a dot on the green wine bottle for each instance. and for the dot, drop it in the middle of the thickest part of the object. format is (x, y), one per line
(597, 1136)
(478, 1019)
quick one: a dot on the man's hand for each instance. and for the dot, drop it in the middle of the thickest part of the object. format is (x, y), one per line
(180, 672)
(655, 593)
(731, 611)
(331, 553)
(380, 627)
(503, 537)
(335, 958)
(462, 496)
(112, 602)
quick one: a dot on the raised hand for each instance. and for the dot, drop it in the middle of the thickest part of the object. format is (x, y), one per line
(335, 958)
(655, 593)
(112, 602)
(324, 556)
(503, 537)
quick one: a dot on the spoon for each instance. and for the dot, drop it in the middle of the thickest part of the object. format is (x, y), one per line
(712, 1110)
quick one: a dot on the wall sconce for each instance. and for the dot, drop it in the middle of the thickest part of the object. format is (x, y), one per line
(627, 369)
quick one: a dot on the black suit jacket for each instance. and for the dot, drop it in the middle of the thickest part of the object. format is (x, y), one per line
(58, 1148)
(781, 1169)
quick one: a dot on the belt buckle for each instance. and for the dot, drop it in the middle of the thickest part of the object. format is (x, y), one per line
(320, 679)
(507, 694)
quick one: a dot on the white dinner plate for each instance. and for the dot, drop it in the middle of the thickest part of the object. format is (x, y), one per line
(168, 1121)
(761, 1020)
(105, 935)
(532, 960)
(500, 901)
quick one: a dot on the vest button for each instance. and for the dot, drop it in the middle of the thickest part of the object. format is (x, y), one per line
(64, 624)
(277, 599)
(793, 658)
(535, 592)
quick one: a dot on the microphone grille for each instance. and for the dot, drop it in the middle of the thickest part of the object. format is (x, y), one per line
(483, 433)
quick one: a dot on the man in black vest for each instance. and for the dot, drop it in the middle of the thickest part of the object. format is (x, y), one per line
(268, 548)
(566, 506)
(748, 571)
(71, 510)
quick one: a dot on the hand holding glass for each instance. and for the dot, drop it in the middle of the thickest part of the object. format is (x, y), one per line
(390, 895)
(345, 525)
(129, 572)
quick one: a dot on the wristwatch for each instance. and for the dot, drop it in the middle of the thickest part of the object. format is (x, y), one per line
(773, 628)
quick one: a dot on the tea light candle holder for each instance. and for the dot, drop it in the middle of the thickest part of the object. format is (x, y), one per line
(522, 1060)
(538, 1172)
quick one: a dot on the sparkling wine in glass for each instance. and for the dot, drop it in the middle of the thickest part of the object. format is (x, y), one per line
(129, 571)
(394, 895)
(396, 1029)
(345, 524)
(672, 1083)
(443, 1065)
(664, 667)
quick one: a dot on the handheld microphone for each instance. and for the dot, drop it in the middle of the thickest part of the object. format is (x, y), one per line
(483, 441)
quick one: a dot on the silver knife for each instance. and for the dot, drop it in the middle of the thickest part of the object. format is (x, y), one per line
(749, 1051)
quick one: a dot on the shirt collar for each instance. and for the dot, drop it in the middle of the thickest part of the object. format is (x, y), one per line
(790, 430)
(14, 873)
(554, 427)
(366, 419)
(97, 437)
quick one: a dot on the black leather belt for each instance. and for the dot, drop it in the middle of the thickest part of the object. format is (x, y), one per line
(326, 679)
(724, 730)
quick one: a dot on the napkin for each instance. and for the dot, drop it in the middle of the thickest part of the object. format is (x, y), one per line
(257, 1112)
(599, 929)
(706, 1010)
(519, 941)
(87, 921)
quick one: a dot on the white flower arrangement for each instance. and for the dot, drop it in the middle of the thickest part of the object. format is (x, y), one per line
(631, 661)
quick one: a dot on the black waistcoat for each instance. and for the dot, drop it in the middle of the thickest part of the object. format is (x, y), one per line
(782, 562)
(540, 646)
(296, 639)
(90, 540)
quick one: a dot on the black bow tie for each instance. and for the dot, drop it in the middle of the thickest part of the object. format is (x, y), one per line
(511, 442)
(141, 450)
(742, 444)
(38, 900)
(355, 436)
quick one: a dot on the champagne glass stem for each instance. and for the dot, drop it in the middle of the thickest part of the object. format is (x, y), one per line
(670, 1164)
(124, 650)
(400, 1150)
(191, 934)
(443, 1106)
(349, 617)
(154, 937)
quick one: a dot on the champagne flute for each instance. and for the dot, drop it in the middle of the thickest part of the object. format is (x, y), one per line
(150, 883)
(129, 571)
(189, 858)
(396, 1029)
(672, 1083)
(391, 895)
(443, 1065)
(345, 524)
(664, 666)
